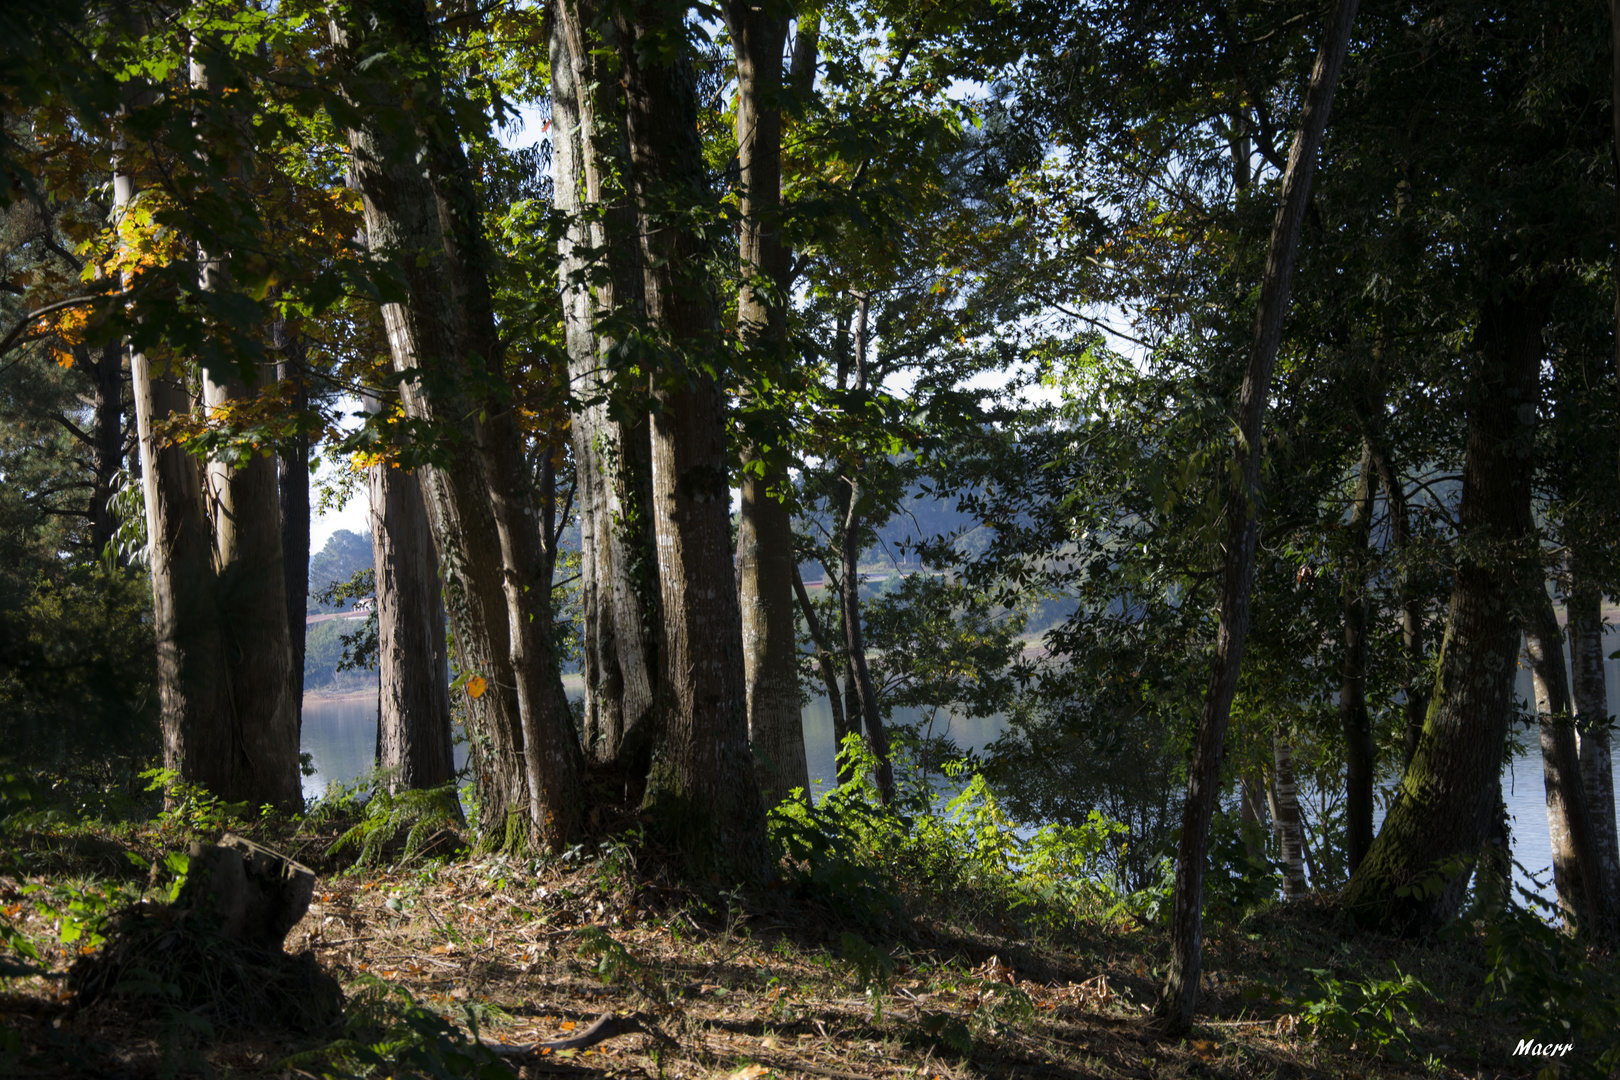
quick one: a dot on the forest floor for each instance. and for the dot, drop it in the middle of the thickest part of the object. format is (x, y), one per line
(716, 986)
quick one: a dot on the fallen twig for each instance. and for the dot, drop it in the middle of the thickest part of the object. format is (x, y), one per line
(606, 1027)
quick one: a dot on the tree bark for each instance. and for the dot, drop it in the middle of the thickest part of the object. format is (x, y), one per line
(1359, 754)
(765, 557)
(1450, 790)
(243, 501)
(612, 436)
(702, 790)
(1575, 853)
(421, 213)
(1179, 997)
(1290, 829)
(850, 580)
(413, 664)
(1592, 731)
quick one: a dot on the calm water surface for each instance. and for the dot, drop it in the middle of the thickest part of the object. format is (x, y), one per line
(340, 734)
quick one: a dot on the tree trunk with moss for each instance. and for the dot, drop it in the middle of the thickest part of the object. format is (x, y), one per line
(1355, 720)
(1415, 875)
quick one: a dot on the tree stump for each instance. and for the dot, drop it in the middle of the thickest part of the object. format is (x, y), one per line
(251, 894)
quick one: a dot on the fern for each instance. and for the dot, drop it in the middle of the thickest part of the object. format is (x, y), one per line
(421, 813)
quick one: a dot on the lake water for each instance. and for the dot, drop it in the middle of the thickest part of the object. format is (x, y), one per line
(340, 734)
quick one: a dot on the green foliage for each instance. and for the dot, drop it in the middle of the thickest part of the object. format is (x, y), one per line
(1371, 1011)
(1560, 990)
(386, 1033)
(963, 854)
(189, 810)
(420, 813)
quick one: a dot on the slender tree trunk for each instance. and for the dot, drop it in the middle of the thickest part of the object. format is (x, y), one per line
(826, 662)
(1179, 998)
(702, 790)
(413, 664)
(850, 578)
(1353, 715)
(1446, 799)
(294, 487)
(1569, 822)
(1592, 730)
(601, 281)
(1290, 828)
(106, 440)
(421, 212)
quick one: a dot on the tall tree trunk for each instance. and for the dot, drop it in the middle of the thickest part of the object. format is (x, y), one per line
(702, 790)
(826, 662)
(612, 434)
(294, 486)
(1290, 827)
(421, 213)
(1353, 715)
(1569, 821)
(765, 557)
(1592, 729)
(1179, 998)
(850, 579)
(244, 502)
(413, 664)
(1446, 799)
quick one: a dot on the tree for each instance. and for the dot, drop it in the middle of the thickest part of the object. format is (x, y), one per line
(1180, 994)
(413, 695)
(422, 215)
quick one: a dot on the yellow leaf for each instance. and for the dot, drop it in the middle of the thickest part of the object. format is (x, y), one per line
(476, 686)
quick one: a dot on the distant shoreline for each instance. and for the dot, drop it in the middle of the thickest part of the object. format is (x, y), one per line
(324, 695)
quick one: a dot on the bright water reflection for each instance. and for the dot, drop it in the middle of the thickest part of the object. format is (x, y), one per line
(340, 734)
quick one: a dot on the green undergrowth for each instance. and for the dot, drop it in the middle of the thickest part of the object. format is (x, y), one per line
(939, 930)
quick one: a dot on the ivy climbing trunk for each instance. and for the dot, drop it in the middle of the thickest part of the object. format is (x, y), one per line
(422, 215)
(1414, 876)
(701, 791)
(1179, 997)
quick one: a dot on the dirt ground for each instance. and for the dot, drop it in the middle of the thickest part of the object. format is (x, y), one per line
(776, 984)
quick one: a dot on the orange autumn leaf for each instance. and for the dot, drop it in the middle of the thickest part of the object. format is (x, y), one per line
(476, 686)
